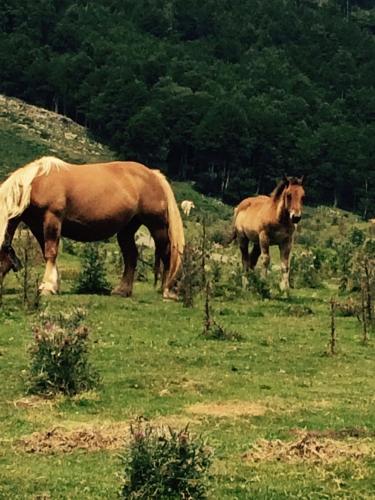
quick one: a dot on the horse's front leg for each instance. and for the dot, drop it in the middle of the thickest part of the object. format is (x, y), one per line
(264, 244)
(285, 249)
(51, 234)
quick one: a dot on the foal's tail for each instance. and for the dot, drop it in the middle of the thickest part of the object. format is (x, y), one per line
(175, 232)
(232, 236)
(15, 192)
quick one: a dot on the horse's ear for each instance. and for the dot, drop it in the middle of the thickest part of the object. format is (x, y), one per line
(285, 179)
(302, 179)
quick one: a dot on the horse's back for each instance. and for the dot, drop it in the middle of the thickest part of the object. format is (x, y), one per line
(101, 186)
(98, 200)
(252, 215)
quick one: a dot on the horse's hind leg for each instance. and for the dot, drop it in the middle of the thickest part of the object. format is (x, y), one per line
(126, 241)
(244, 247)
(51, 239)
(264, 244)
(159, 233)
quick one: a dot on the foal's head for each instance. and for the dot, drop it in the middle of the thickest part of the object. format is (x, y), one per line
(293, 195)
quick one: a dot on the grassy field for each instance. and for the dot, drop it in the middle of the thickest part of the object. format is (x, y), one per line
(283, 417)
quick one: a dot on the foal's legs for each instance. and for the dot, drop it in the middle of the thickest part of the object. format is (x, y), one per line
(264, 244)
(51, 239)
(285, 249)
(254, 256)
(244, 247)
(126, 240)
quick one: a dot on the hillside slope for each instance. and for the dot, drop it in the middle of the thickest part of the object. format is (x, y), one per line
(27, 132)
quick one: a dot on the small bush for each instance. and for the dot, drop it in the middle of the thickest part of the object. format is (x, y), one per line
(192, 276)
(70, 247)
(304, 269)
(211, 329)
(59, 355)
(165, 464)
(92, 278)
(30, 257)
(258, 285)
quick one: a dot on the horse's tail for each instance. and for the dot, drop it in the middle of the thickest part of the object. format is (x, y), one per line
(175, 232)
(232, 236)
(15, 192)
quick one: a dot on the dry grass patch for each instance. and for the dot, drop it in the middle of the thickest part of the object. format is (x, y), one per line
(228, 409)
(90, 438)
(310, 448)
(33, 402)
(174, 421)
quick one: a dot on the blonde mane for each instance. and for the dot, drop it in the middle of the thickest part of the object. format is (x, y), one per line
(15, 192)
(175, 230)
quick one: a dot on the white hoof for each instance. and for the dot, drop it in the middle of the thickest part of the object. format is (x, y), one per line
(167, 294)
(47, 289)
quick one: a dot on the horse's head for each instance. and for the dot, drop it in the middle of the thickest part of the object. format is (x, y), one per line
(293, 197)
(8, 260)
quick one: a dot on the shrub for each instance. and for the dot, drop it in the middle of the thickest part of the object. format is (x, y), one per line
(193, 274)
(304, 269)
(258, 285)
(92, 278)
(165, 464)
(211, 329)
(69, 246)
(30, 257)
(59, 355)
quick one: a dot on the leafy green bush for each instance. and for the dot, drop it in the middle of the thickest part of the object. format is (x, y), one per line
(69, 246)
(258, 285)
(59, 355)
(92, 278)
(305, 269)
(165, 465)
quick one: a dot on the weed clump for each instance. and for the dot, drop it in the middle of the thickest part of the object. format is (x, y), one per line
(211, 329)
(92, 278)
(28, 276)
(192, 277)
(165, 464)
(59, 356)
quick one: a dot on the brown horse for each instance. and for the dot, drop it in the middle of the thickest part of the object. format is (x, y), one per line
(91, 202)
(269, 220)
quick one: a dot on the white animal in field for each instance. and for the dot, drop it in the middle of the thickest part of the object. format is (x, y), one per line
(186, 206)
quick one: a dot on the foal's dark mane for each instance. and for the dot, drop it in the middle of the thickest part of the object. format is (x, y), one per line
(278, 191)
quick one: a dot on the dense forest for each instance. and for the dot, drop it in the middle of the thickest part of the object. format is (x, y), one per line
(228, 93)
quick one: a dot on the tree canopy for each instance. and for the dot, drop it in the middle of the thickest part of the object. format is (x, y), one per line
(228, 93)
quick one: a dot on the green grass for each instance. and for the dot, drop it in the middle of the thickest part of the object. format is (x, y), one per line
(154, 362)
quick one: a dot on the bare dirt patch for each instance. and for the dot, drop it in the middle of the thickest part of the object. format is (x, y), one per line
(309, 448)
(228, 409)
